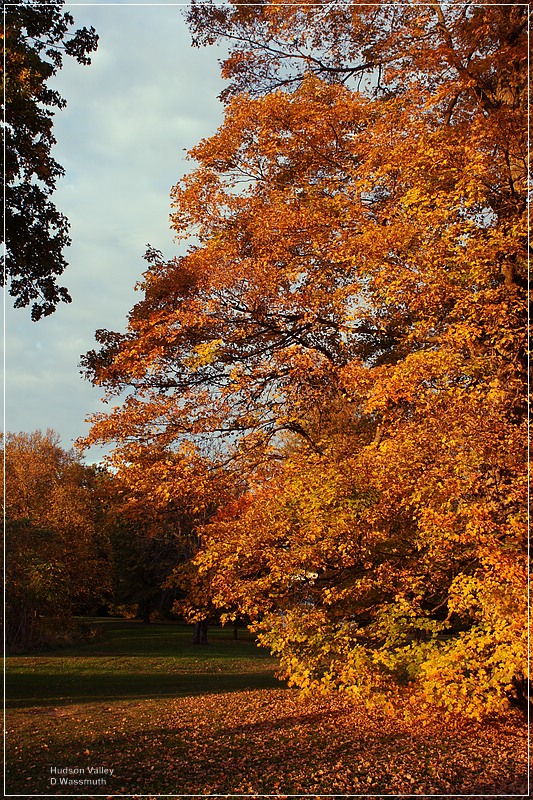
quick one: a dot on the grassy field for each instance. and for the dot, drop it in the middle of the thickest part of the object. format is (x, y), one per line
(139, 710)
(132, 661)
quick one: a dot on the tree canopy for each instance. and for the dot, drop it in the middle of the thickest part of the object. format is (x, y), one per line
(58, 558)
(346, 333)
(36, 37)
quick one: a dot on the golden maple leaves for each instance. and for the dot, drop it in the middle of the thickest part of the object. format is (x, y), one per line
(351, 326)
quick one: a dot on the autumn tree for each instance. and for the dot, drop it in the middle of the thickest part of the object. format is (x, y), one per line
(355, 291)
(142, 560)
(35, 38)
(160, 499)
(57, 548)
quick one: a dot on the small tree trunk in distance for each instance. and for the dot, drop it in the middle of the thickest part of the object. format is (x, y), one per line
(147, 611)
(235, 629)
(200, 632)
(144, 610)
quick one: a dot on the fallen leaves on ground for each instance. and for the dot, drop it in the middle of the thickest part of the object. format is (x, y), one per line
(267, 741)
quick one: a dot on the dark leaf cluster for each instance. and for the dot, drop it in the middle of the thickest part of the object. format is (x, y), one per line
(36, 38)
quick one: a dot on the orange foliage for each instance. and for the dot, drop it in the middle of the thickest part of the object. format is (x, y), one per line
(56, 536)
(270, 742)
(348, 331)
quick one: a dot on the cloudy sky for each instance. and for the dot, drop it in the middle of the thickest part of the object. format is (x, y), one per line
(147, 97)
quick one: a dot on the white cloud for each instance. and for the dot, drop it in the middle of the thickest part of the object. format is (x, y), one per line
(146, 98)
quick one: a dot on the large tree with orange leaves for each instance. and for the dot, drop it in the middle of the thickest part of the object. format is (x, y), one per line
(352, 306)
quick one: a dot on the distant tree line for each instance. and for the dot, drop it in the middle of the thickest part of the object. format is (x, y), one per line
(70, 549)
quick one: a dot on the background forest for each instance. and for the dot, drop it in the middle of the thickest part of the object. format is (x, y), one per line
(318, 411)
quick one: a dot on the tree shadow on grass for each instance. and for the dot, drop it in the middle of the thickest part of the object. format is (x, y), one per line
(55, 689)
(306, 750)
(133, 638)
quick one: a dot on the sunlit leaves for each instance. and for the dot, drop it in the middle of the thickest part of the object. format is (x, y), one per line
(257, 742)
(347, 333)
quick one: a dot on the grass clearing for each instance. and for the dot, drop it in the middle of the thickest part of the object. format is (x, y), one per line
(129, 660)
(172, 718)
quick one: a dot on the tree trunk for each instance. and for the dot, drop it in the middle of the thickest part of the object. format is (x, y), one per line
(521, 694)
(144, 609)
(200, 632)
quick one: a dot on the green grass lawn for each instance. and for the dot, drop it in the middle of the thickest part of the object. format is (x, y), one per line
(170, 718)
(134, 661)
